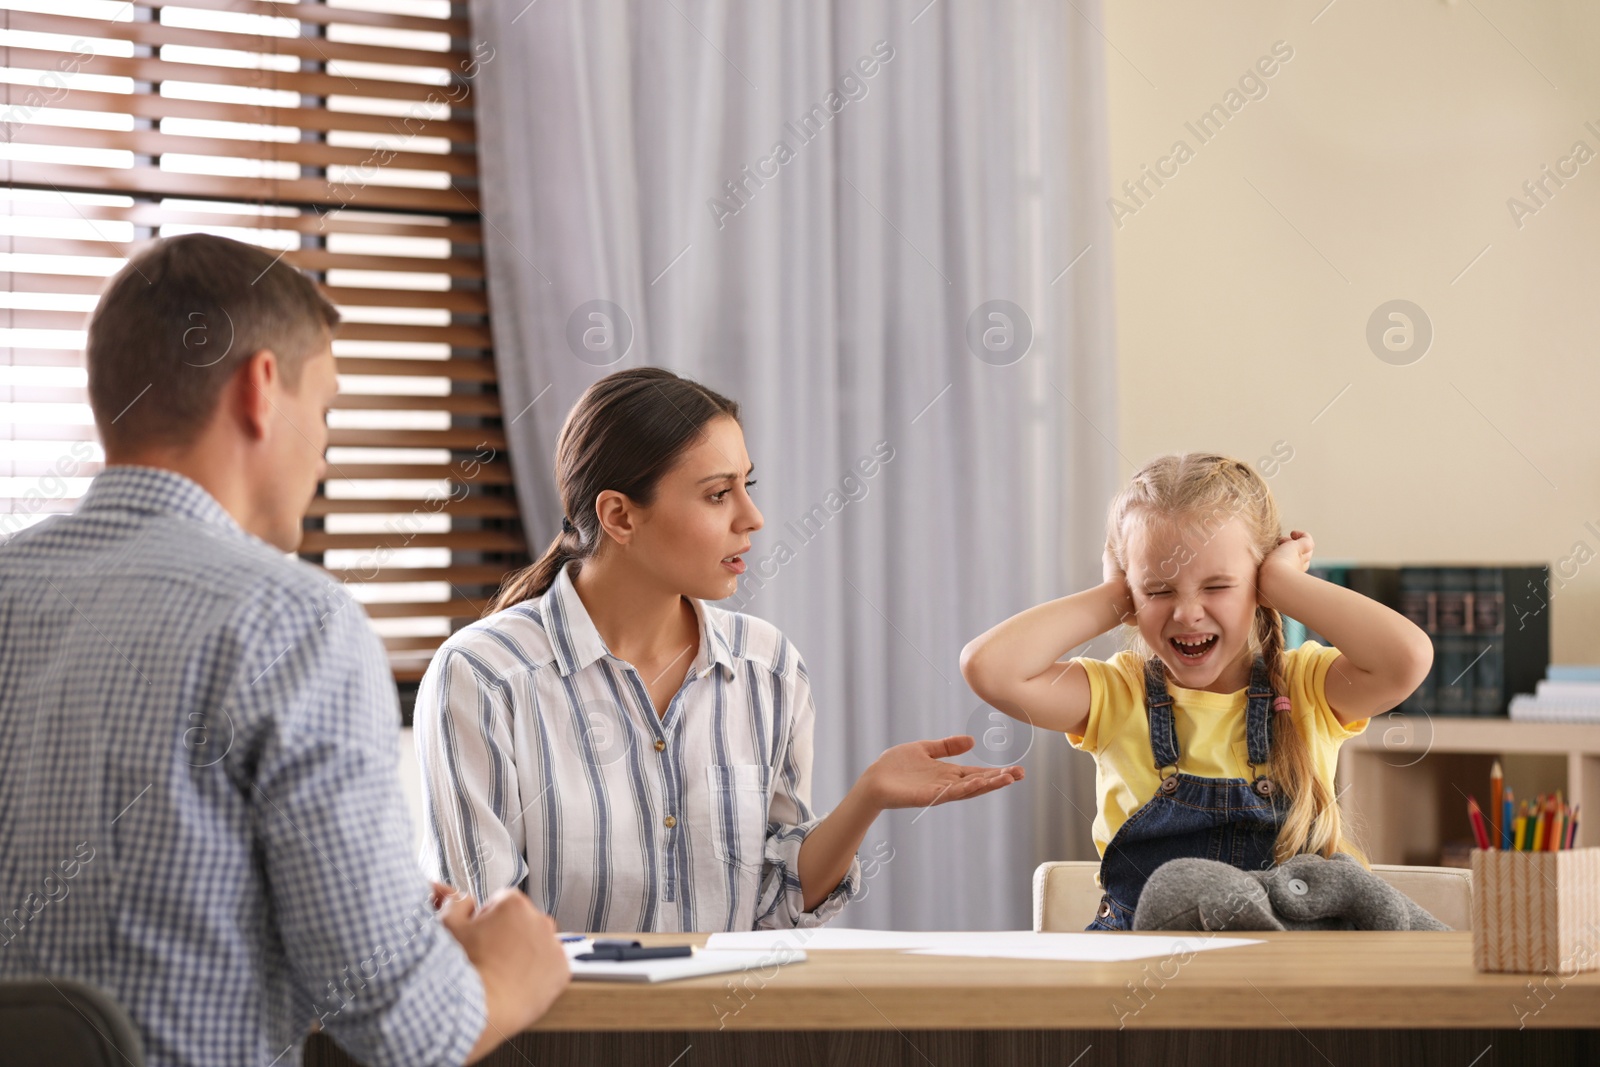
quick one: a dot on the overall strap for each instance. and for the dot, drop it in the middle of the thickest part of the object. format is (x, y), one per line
(1158, 709)
(1258, 716)
(1163, 732)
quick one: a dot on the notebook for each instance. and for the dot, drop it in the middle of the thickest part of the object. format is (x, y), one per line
(666, 970)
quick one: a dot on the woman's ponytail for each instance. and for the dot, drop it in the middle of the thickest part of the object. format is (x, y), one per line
(533, 580)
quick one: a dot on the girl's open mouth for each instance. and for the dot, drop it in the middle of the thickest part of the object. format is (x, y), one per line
(1193, 650)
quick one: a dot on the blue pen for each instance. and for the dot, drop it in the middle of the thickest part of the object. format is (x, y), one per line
(624, 953)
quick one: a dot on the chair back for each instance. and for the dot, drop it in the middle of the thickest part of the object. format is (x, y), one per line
(64, 1023)
(1065, 895)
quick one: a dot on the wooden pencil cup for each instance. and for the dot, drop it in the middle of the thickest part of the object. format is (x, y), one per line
(1536, 912)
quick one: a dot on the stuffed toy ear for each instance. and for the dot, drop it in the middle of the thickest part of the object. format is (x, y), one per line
(1312, 892)
(1198, 894)
(1421, 918)
(1418, 917)
(1339, 893)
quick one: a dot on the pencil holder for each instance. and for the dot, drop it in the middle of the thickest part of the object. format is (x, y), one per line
(1536, 912)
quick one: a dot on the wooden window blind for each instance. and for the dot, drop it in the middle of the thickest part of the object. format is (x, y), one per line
(338, 134)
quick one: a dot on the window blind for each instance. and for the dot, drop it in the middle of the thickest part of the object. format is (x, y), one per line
(339, 135)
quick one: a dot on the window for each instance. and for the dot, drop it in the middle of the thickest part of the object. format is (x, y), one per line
(339, 134)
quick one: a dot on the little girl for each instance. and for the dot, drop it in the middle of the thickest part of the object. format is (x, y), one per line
(1210, 739)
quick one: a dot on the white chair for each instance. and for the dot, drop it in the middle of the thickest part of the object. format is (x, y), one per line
(1065, 895)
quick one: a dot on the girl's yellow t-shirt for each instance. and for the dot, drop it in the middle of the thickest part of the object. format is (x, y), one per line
(1210, 727)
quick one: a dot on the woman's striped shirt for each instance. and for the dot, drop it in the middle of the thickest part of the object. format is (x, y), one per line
(546, 767)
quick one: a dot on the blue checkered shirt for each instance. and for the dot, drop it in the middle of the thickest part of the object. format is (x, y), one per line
(200, 807)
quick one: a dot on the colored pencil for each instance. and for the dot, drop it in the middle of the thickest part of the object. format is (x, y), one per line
(1479, 833)
(1496, 797)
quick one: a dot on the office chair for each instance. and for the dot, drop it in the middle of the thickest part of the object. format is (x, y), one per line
(62, 1023)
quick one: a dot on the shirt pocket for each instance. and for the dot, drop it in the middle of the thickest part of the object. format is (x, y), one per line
(738, 816)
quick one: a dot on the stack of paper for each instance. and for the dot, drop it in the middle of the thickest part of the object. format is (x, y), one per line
(1568, 694)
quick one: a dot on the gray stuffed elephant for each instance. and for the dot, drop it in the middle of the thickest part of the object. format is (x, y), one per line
(1305, 892)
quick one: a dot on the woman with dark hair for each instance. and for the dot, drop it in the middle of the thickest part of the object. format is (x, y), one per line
(629, 755)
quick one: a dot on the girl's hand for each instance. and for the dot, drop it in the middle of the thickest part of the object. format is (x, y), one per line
(1293, 552)
(1122, 594)
(914, 775)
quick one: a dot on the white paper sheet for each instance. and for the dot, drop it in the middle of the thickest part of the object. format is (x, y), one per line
(992, 944)
(834, 937)
(665, 970)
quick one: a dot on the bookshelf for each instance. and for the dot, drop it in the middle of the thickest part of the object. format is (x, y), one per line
(1404, 783)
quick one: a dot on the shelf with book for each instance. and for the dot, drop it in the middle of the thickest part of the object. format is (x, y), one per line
(1489, 625)
(1405, 781)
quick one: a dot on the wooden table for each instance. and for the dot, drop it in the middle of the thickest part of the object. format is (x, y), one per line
(1303, 998)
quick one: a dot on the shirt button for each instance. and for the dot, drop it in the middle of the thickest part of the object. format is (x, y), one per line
(669, 822)
(661, 746)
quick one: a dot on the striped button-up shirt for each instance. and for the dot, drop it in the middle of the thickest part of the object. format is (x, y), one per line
(547, 767)
(200, 803)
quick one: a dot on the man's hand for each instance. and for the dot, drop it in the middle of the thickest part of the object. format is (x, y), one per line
(516, 952)
(914, 775)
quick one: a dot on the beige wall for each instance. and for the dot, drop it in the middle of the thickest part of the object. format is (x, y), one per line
(1381, 158)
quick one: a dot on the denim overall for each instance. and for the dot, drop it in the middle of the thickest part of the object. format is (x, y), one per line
(1225, 819)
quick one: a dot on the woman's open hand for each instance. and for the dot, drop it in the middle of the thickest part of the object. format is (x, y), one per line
(915, 775)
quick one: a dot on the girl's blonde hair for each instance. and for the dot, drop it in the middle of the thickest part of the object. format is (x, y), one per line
(1201, 492)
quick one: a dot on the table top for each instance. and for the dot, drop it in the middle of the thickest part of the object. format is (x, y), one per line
(1356, 980)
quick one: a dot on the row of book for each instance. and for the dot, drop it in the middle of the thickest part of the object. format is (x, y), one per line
(1566, 694)
(1490, 627)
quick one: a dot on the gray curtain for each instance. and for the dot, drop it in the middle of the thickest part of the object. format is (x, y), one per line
(936, 158)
